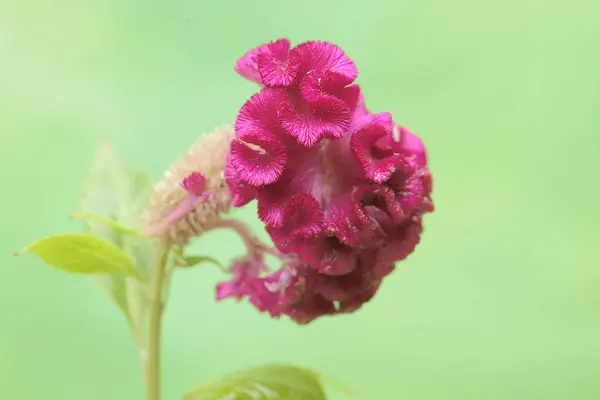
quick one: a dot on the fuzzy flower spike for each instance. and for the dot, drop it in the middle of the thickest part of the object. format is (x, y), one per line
(192, 195)
(341, 190)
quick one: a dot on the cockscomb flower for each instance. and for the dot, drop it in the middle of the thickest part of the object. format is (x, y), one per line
(341, 190)
(192, 195)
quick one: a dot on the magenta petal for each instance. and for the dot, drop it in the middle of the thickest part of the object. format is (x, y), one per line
(302, 217)
(378, 164)
(402, 243)
(412, 191)
(266, 294)
(245, 272)
(227, 289)
(258, 160)
(275, 65)
(271, 293)
(241, 192)
(194, 183)
(427, 205)
(271, 205)
(412, 143)
(331, 111)
(347, 221)
(325, 56)
(384, 199)
(412, 195)
(259, 113)
(358, 301)
(329, 116)
(311, 307)
(247, 65)
(326, 82)
(327, 255)
(353, 97)
(346, 287)
(361, 116)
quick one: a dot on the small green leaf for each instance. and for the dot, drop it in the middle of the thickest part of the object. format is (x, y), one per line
(192, 261)
(110, 223)
(268, 382)
(340, 387)
(84, 254)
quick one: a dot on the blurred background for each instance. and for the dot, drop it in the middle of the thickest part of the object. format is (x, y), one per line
(501, 300)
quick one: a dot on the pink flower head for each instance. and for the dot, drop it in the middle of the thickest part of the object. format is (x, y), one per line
(338, 187)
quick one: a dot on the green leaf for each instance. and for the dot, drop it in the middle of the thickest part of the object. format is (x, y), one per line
(112, 198)
(340, 387)
(84, 254)
(192, 261)
(268, 382)
(110, 223)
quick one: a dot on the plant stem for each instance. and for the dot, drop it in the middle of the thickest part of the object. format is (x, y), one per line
(250, 240)
(156, 310)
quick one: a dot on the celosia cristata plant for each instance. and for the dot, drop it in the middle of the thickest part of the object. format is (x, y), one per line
(340, 190)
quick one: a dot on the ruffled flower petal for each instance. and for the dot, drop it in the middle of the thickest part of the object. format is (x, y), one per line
(245, 272)
(411, 194)
(327, 115)
(275, 66)
(260, 113)
(271, 294)
(258, 160)
(327, 255)
(346, 220)
(271, 205)
(302, 218)
(241, 192)
(412, 144)
(310, 307)
(247, 65)
(401, 243)
(354, 304)
(323, 56)
(377, 160)
(341, 287)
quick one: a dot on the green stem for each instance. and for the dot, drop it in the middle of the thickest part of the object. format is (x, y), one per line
(156, 311)
(250, 240)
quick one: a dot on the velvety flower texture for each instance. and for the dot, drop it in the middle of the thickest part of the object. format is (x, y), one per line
(340, 189)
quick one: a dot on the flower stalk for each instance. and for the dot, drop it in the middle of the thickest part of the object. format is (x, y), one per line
(152, 365)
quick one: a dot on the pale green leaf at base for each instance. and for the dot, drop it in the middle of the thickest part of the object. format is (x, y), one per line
(114, 287)
(83, 254)
(111, 200)
(269, 382)
(137, 305)
(130, 296)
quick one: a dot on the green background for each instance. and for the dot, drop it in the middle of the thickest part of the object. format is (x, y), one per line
(500, 301)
